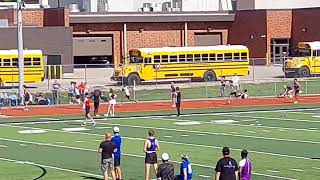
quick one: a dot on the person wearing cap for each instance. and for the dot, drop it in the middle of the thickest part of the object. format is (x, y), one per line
(227, 167)
(106, 149)
(245, 166)
(151, 146)
(117, 155)
(185, 169)
(166, 169)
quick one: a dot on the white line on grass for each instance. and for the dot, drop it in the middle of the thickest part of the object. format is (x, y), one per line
(50, 167)
(49, 118)
(23, 145)
(60, 142)
(316, 168)
(272, 171)
(204, 176)
(185, 135)
(175, 143)
(274, 118)
(167, 136)
(266, 131)
(3, 146)
(299, 170)
(79, 141)
(130, 155)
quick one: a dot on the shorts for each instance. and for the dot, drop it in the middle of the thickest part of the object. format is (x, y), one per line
(127, 96)
(151, 158)
(112, 101)
(233, 94)
(107, 165)
(96, 105)
(77, 96)
(296, 91)
(87, 110)
(117, 162)
(70, 94)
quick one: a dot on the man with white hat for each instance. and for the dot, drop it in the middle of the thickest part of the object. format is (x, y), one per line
(117, 155)
(166, 169)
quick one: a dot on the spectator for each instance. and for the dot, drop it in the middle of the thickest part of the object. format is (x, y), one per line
(166, 169)
(55, 88)
(81, 87)
(236, 82)
(227, 167)
(13, 100)
(185, 169)
(107, 148)
(222, 86)
(173, 90)
(96, 101)
(245, 166)
(178, 100)
(151, 146)
(26, 98)
(71, 91)
(117, 155)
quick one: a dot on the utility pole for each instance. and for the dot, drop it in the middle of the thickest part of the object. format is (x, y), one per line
(20, 5)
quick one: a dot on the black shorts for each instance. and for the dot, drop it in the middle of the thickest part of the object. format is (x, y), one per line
(96, 104)
(151, 158)
(87, 110)
(296, 91)
(178, 104)
(77, 96)
(127, 96)
(117, 161)
(233, 94)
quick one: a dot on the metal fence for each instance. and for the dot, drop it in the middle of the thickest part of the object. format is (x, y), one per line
(261, 81)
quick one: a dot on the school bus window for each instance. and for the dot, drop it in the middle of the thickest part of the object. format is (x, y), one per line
(219, 57)
(0, 62)
(15, 62)
(212, 57)
(156, 59)
(27, 61)
(197, 57)
(173, 58)
(318, 53)
(36, 62)
(165, 59)
(147, 60)
(228, 56)
(243, 56)
(205, 57)
(182, 58)
(236, 56)
(6, 62)
(190, 57)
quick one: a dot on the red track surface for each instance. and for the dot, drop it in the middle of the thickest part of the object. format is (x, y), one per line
(156, 106)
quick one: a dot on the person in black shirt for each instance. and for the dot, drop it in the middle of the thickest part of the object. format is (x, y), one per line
(166, 169)
(96, 101)
(178, 100)
(226, 168)
(107, 148)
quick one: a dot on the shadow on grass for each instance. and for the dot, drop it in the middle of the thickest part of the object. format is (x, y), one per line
(91, 177)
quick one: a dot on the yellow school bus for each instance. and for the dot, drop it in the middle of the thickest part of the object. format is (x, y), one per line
(205, 63)
(33, 66)
(305, 62)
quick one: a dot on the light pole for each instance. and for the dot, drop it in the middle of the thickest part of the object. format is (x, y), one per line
(20, 5)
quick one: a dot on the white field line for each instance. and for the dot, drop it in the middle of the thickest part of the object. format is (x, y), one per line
(299, 170)
(130, 155)
(306, 113)
(273, 118)
(50, 167)
(192, 131)
(49, 118)
(3, 146)
(175, 143)
(318, 168)
(272, 171)
(204, 176)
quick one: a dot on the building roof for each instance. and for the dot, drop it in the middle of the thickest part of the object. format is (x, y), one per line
(128, 17)
(194, 48)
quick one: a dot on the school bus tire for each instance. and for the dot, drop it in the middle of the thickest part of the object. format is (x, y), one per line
(133, 77)
(209, 76)
(304, 72)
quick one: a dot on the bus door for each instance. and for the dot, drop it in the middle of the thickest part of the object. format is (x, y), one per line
(147, 71)
(316, 61)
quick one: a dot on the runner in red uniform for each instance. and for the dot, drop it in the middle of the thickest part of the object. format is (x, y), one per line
(87, 103)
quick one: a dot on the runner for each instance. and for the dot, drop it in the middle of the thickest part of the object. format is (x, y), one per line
(26, 97)
(96, 101)
(112, 103)
(117, 155)
(173, 90)
(296, 88)
(233, 92)
(87, 103)
(222, 86)
(287, 91)
(151, 146)
(244, 94)
(245, 166)
(126, 91)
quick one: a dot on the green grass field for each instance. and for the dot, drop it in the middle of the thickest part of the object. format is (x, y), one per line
(281, 143)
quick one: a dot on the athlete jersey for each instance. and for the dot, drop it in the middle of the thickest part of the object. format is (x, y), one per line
(185, 165)
(246, 169)
(87, 102)
(153, 148)
(117, 140)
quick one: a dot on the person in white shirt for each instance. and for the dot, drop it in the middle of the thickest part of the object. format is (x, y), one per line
(236, 81)
(112, 103)
(126, 91)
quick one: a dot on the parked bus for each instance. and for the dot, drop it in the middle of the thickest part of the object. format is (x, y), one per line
(306, 60)
(205, 63)
(33, 66)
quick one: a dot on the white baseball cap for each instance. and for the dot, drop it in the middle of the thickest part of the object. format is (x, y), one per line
(165, 156)
(116, 129)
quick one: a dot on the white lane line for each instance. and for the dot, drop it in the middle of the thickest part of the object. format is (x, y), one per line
(200, 134)
(299, 170)
(284, 130)
(60, 142)
(167, 136)
(272, 171)
(3, 146)
(97, 140)
(185, 135)
(204, 176)
(249, 120)
(49, 118)
(79, 141)
(318, 168)
(50, 167)
(313, 128)
(266, 131)
(274, 118)
(103, 127)
(175, 143)
(252, 132)
(23, 145)
(130, 155)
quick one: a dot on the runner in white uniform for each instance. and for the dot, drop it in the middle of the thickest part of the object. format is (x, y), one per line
(112, 103)
(126, 90)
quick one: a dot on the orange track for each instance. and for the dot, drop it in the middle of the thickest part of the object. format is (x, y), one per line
(156, 106)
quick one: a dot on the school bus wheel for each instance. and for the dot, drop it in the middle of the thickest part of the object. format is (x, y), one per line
(134, 78)
(209, 76)
(304, 72)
